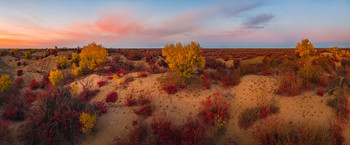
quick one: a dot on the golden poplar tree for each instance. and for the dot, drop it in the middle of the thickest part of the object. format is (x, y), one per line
(184, 59)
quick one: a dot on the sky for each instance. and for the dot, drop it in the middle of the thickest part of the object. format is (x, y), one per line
(154, 23)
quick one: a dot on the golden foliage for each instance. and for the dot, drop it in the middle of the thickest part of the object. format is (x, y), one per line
(77, 71)
(92, 55)
(310, 73)
(305, 48)
(87, 121)
(184, 60)
(55, 77)
(5, 82)
(74, 89)
(75, 58)
(115, 78)
(28, 54)
(339, 52)
(14, 51)
(62, 61)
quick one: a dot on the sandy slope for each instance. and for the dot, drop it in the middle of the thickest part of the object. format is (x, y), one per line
(305, 108)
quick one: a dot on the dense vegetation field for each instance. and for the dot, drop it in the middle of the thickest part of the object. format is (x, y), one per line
(181, 94)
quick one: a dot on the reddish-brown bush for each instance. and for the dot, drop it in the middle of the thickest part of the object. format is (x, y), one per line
(19, 72)
(100, 107)
(56, 119)
(112, 97)
(165, 132)
(18, 85)
(214, 107)
(34, 84)
(249, 116)
(86, 95)
(130, 101)
(206, 80)
(4, 129)
(145, 111)
(138, 134)
(290, 84)
(15, 109)
(29, 97)
(101, 83)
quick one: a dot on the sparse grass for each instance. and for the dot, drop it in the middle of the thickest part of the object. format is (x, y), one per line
(249, 116)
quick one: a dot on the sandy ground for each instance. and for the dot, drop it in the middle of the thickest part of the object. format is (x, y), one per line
(307, 108)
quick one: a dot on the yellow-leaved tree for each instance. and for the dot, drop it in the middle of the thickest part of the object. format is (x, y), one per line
(92, 55)
(55, 77)
(305, 48)
(184, 59)
(5, 82)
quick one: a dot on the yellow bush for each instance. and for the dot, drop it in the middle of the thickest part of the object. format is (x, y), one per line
(184, 60)
(14, 51)
(28, 54)
(55, 77)
(5, 82)
(77, 71)
(87, 121)
(75, 89)
(337, 51)
(92, 55)
(305, 48)
(115, 78)
(62, 61)
(75, 58)
(310, 73)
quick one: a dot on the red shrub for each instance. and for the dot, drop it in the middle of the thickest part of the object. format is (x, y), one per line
(193, 132)
(213, 63)
(19, 72)
(34, 84)
(45, 81)
(145, 111)
(86, 95)
(206, 80)
(130, 101)
(212, 108)
(18, 85)
(112, 97)
(56, 119)
(165, 132)
(101, 83)
(4, 130)
(230, 79)
(15, 110)
(320, 91)
(19, 63)
(144, 101)
(100, 107)
(290, 84)
(29, 97)
(338, 128)
(141, 74)
(138, 134)
(170, 88)
(128, 80)
(236, 63)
